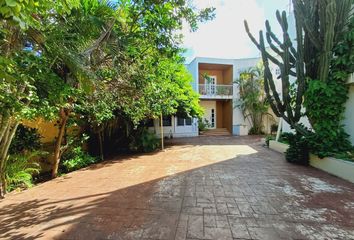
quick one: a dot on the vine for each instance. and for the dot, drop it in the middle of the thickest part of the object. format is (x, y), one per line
(324, 101)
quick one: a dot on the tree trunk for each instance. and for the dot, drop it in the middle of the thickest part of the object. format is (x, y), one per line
(64, 115)
(3, 125)
(4, 149)
(101, 145)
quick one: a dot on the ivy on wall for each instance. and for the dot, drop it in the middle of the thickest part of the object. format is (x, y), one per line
(325, 102)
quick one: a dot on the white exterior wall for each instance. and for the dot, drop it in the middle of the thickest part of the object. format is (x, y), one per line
(349, 114)
(240, 126)
(174, 130)
(193, 69)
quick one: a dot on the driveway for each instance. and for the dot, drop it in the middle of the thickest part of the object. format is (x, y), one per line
(199, 188)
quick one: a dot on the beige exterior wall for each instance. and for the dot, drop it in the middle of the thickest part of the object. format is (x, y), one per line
(207, 106)
(223, 112)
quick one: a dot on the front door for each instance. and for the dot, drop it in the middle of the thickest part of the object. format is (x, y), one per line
(209, 113)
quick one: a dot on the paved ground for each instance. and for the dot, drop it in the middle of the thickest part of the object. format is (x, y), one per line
(200, 188)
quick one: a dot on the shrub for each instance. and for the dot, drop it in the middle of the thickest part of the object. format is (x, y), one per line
(20, 170)
(255, 131)
(268, 138)
(298, 151)
(285, 137)
(143, 141)
(26, 138)
(203, 124)
(75, 159)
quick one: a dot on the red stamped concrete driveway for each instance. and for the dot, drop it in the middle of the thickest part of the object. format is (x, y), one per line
(199, 188)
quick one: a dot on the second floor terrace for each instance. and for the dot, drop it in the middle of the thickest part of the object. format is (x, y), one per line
(215, 91)
(215, 81)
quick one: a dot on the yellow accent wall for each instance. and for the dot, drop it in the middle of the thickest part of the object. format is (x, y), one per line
(47, 129)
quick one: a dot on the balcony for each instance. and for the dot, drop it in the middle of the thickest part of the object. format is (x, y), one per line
(215, 91)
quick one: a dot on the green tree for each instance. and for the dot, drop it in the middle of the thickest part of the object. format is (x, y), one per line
(95, 60)
(253, 102)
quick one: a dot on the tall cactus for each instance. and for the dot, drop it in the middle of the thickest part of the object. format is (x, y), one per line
(319, 24)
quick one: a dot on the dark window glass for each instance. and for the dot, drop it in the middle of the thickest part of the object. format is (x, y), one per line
(188, 121)
(150, 123)
(167, 121)
(180, 121)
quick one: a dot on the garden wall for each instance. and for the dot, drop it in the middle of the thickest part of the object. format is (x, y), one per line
(336, 167)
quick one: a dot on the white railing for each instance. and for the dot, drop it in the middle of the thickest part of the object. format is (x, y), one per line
(215, 90)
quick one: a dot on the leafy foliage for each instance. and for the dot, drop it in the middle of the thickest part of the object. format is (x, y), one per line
(75, 159)
(203, 124)
(268, 138)
(298, 151)
(144, 141)
(26, 139)
(252, 102)
(320, 63)
(319, 27)
(20, 170)
(324, 101)
(90, 62)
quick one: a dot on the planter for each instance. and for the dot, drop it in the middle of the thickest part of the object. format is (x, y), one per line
(278, 146)
(336, 167)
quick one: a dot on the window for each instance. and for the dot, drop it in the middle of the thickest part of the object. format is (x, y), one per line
(150, 123)
(167, 121)
(188, 121)
(212, 117)
(180, 121)
(184, 121)
(277, 71)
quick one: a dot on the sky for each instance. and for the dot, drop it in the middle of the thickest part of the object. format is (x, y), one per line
(225, 36)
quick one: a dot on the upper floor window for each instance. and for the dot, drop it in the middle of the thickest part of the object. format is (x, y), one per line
(277, 71)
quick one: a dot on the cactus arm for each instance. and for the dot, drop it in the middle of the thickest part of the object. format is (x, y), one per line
(310, 30)
(301, 84)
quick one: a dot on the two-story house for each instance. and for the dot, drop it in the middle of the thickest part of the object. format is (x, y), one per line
(213, 79)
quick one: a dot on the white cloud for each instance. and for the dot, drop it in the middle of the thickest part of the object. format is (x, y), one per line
(225, 36)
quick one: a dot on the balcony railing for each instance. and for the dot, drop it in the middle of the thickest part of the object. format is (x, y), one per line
(215, 91)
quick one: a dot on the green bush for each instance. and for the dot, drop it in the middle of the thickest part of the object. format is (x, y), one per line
(143, 141)
(75, 159)
(298, 151)
(26, 138)
(203, 124)
(286, 137)
(255, 131)
(268, 138)
(20, 170)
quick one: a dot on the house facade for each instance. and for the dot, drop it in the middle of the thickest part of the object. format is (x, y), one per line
(213, 79)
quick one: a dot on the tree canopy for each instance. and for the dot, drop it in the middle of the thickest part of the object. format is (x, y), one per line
(90, 61)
